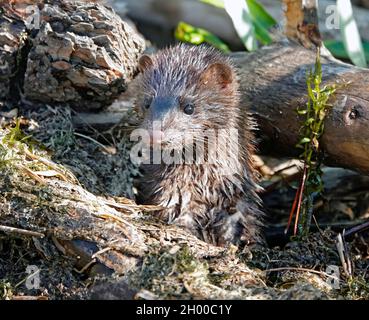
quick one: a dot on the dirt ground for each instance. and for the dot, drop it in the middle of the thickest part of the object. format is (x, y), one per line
(172, 265)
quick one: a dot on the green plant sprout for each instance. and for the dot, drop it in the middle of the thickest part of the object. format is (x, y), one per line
(311, 184)
(187, 33)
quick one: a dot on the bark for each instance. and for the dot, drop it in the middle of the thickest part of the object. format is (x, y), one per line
(273, 85)
(10, 42)
(302, 22)
(77, 53)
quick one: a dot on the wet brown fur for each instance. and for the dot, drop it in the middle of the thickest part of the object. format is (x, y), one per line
(217, 202)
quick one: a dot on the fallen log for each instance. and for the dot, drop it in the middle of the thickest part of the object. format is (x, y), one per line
(62, 52)
(10, 44)
(273, 86)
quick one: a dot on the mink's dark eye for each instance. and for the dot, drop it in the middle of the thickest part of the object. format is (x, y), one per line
(147, 103)
(189, 108)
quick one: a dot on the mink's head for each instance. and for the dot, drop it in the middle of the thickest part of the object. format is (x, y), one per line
(186, 90)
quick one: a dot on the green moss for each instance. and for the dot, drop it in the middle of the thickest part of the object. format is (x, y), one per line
(162, 263)
(6, 291)
(185, 261)
(165, 272)
(357, 289)
(62, 141)
(217, 278)
(13, 144)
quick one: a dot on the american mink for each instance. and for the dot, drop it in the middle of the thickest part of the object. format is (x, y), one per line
(188, 91)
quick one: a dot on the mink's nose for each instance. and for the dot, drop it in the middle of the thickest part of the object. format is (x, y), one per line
(160, 106)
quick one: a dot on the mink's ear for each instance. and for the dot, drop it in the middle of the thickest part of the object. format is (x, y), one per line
(218, 73)
(144, 63)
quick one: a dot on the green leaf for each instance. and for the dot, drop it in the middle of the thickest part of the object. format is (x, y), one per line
(304, 140)
(215, 3)
(257, 11)
(188, 33)
(310, 91)
(262, 21)
(261, 33)
(242, 20)
(350, 33)
(337, 48)
(259, 14)
(302, 112)
(309, 121)
(322, 114)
